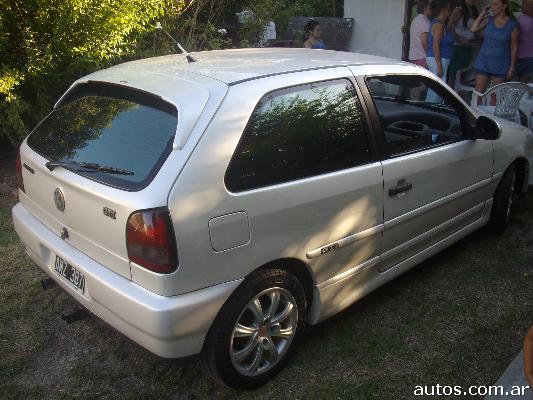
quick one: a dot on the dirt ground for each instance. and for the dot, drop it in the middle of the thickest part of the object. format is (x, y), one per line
(8, 180)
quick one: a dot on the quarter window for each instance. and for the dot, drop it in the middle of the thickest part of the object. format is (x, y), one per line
(300, 132)
(415, 113)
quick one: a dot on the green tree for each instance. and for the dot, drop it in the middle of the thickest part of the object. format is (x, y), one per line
(46, 44)
(281, 11)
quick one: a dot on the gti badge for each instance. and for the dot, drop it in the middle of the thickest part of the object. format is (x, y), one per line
(59, 199)
(110, 213)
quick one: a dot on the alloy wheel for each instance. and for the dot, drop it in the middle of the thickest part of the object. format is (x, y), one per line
(264, 331)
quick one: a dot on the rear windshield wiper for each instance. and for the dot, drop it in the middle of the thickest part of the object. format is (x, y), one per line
(88, 167)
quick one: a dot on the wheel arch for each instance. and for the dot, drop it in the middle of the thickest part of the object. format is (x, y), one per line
(298, 268)
(215, 353)
(522, 174)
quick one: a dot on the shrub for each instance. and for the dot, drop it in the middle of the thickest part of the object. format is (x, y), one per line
(46, 44)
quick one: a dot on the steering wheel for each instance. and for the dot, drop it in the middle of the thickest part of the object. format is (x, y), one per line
(409, 128)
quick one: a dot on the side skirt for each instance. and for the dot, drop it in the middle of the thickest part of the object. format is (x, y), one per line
(343, 290)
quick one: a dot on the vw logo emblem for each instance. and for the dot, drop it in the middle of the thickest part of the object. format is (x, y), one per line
(59, 199)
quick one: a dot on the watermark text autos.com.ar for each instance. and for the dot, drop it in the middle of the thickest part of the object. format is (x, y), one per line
(449, 390)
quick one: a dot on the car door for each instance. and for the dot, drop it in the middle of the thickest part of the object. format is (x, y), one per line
(289, 175)
(306, 152)
(436, 180)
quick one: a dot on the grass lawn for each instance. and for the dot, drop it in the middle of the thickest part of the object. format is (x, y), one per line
(457, 319)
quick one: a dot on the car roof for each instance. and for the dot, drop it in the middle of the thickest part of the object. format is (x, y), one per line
(189, 85)
(237, 65)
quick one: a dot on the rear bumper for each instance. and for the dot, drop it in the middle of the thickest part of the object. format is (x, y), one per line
(170, 327)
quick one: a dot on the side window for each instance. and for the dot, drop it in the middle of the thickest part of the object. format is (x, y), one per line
(300, 132)
(415, 113)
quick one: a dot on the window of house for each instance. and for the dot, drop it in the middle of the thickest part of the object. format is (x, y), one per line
(300, 132)
(416, 113)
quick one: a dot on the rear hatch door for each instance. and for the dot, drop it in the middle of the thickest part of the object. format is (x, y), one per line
(93, 161)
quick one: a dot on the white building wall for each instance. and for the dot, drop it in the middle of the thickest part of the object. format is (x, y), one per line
(377, 26)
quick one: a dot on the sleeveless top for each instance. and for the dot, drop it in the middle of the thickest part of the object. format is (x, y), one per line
(320, 45)
(525, 41)
(464, 31)
(497, 41)
(446, 43)
(495, 54)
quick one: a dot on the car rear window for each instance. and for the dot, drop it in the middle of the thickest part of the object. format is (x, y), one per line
(131, 134)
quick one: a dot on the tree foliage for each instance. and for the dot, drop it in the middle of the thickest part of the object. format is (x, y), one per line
(47, 44)
(280, 11)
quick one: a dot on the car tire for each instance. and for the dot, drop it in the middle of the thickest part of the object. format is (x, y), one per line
(253, 334)
(502, 201)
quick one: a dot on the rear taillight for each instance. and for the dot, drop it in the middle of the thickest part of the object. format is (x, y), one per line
(20, 182)
(150, 240)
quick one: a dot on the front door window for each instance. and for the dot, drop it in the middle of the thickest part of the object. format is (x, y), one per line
(411, 119)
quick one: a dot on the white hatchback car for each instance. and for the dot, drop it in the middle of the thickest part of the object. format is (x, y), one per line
(217, 206)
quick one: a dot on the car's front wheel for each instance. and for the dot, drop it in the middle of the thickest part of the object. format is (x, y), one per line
(254, 332)
(502, 201)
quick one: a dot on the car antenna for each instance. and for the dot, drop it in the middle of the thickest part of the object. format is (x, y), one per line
(187, 55)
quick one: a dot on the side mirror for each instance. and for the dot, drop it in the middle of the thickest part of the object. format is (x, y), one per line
(486, 129)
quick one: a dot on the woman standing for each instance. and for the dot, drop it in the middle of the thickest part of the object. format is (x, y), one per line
(525, 43)
(467, 13)
(419, 35)
(440, 44)
(496, 61)
(313, 36)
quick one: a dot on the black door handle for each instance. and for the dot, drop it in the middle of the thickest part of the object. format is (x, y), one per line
(403, 187)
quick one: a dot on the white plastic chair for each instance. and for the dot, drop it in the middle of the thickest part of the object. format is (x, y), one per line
(508, 96)
(465, 80)
(526, 106)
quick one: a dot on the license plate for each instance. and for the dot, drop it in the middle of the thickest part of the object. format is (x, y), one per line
(70, 273)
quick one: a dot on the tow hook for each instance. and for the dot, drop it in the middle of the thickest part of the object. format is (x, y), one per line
(47, 283)
(74, 315)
